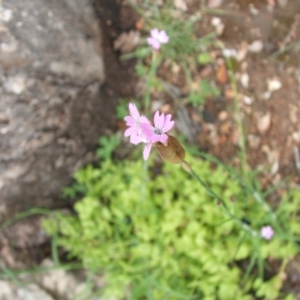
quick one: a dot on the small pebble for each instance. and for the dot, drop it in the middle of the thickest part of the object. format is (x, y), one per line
(264, 122)
(5, 14)
(229, 52)
(256, 46)
(218, 24)
(15, 85)
(223, 115)
(245, 80)
(274, 85)
(247, 100)
(253, 141)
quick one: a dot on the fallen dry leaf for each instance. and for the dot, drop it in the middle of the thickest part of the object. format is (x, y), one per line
(229, 93)
(235, 137)
(166, 108)
(180, 4)
(222, 74)
(242, 52)
(127, 41)
(214, 3)
(139, 24)
(271, 3)
(218, 24)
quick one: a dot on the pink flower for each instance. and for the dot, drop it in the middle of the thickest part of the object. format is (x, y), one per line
(267, 232)
(134, 122)
(141, 131)
(157, 38)
(162, 124)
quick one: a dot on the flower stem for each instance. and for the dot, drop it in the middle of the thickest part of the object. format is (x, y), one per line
(155, 61)
(226, 210)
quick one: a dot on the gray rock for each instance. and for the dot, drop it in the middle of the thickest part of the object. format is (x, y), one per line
(9, 291)
(50, 110)
(56, 284)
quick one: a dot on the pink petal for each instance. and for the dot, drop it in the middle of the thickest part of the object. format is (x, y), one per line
(134, 139)
(130, 121)
(168, 124)
(133, 111)
(144, 120)
(156, 119)
(147, 151)
(147, 131)
(147, 127)
(161, 121)
(163, 37)
(153, 43)
(130, 131)
(154, 33)
(163, 138)
(150, 40)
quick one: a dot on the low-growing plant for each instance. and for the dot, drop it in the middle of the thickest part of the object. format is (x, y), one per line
(174, 41)
(166, 238)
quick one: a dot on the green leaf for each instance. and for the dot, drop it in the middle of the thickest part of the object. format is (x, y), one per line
(141, 69)
(207, 89)
(122, 109)
(196, 98)
(107, 146)
(204, 58)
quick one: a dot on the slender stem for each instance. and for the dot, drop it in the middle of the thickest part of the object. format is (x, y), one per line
(25, 214)
(155, 61)
(242, 224)
(54, 251)
(39, 270)
(243, 154)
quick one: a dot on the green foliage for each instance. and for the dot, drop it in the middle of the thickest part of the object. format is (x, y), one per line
(165, 237)
(141, 69)
(206, 90)
(107, 145)
(122, 109)
(204, 58)
(186, 48)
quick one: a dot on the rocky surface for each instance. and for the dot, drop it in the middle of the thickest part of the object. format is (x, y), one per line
(57, 284)
(50, 108)
(9, 291)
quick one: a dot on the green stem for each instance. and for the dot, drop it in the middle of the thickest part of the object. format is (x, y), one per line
(239, 122)
(155, 61)
(258, 197)
(13, 274)
(25, 214)
(243, 154)
(242, 224)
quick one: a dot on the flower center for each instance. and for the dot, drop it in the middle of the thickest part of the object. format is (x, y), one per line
(158, 131)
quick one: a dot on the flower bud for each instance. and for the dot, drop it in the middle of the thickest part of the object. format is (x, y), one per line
(173, 152)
